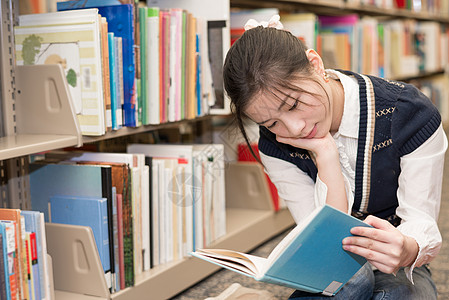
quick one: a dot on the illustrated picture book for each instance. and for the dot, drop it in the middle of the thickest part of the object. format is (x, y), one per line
(310, 258)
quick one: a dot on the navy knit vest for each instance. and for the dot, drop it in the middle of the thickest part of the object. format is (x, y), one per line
(395, 119)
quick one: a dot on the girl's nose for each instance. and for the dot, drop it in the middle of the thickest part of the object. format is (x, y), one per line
(294, 126)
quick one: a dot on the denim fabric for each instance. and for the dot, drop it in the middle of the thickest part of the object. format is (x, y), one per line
(389, 287)
(369, 284)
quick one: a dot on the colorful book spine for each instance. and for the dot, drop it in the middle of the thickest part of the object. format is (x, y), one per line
(29, 265)
(11, 251)
(143, 97)
(153, 62)
(35, 266)
(32, 224)
(112, 82)
(198, 77)
(165, 63)
(120, 241)
(5, 288)
(119, 85)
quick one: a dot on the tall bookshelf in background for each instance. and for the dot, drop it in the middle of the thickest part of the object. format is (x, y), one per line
(37, 116)
(398, 40)
(31, 125)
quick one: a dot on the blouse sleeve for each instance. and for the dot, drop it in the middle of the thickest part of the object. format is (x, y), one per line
(300, 193)
(419, 196)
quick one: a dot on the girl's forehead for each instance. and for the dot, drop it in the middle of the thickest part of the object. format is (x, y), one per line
(263, 106)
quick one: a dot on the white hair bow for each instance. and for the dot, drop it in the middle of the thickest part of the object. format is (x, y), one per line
(273, 22)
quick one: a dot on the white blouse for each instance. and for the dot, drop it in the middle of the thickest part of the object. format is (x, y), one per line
(420, 180)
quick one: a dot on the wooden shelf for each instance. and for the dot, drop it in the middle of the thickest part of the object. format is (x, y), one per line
(141, 129)
(25, 144)
(247, 229)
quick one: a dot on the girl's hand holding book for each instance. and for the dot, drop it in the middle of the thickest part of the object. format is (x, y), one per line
(383, 245)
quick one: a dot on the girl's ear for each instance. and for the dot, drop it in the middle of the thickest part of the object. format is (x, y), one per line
(315, 60)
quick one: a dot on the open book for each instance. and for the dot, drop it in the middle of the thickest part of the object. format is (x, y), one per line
(310, 258)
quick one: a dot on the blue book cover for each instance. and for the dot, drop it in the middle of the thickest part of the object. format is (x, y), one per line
(5, 289)
(47, 180)
(32, 221)
(310, 258)
(199, 95)
(84, 211)
(121, 22)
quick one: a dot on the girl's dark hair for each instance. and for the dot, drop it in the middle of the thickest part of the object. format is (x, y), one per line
(262, 60)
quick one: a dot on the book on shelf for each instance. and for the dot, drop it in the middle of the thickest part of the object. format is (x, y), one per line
(143, 82)
(50, 179)
(172, 203)
(120, 20)
(34, 267)
(13, 215)
(4, 280)
(176, 28)
(152, 111)
(34, 223)
(121, 188)
(116, 106)
(214, 39)
(210, 196)
(131, 205)
(190, 81)
(26, 272)
(164, 35)
(239, 17)
(310, 258)
(119, 86)
(84, 211)
(29, 263)
(341, 25)
(71, 39)
(187, 197)
(302, 25)
(106, 73)
(8, 232)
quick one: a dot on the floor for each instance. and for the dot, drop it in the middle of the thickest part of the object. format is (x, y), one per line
(218, 282)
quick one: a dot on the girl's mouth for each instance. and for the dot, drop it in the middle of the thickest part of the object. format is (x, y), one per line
(312, 133)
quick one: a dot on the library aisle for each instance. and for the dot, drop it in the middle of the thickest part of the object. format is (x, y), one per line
(217, 283)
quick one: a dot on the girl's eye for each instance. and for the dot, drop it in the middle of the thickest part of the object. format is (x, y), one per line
(272, 125)
(294, 105)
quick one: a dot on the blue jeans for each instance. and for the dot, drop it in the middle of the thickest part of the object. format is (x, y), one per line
(369, 284)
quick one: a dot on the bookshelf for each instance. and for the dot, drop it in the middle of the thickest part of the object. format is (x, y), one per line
(77, 272)
(343, 7)
(402, 44)
(37, 115)
(32, 124)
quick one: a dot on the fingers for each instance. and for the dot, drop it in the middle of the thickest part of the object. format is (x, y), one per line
(382, 255)
(378, 223)
(382, 245)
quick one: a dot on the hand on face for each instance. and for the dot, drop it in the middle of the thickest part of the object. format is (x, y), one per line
(384, 246)
(322, 148)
